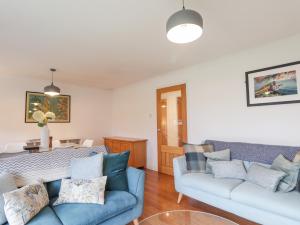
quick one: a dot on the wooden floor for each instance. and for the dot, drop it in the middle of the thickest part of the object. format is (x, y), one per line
(161, 196)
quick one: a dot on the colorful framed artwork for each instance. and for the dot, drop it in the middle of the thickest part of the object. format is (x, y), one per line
(60, 105)
(274, 85)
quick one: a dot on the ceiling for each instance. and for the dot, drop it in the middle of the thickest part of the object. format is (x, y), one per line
(112, 43)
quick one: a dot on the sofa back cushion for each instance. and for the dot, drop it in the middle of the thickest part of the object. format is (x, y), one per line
(53, 188)
(255, 152)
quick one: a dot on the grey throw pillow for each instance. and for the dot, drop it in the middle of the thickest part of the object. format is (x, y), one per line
(229, 169)
(7, 184)
(298, 183)
(265, 177)
(195, 160)
(289, 182)
(297, 159)
(87, 168)
(223, 155)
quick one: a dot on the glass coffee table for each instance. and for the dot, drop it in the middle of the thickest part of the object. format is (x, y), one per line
(186, 217)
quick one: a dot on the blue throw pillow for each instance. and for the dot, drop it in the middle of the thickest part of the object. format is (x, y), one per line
(87, 168)
(114, 167)
(7, 184)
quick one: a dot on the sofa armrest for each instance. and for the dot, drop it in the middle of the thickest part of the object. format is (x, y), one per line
(179, 166)
(136, 182)
(179, 169)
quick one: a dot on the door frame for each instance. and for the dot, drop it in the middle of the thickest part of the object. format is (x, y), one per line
(182, 88)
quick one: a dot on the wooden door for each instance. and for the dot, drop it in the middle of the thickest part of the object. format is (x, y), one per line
(171, 125)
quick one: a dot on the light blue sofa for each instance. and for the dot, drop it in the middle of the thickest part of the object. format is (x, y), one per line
(120, 207)
(241, 197)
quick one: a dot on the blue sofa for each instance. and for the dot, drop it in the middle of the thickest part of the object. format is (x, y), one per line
(120, 207)
(242, 197)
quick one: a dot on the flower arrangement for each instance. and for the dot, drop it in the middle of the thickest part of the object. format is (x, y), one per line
(43, 118)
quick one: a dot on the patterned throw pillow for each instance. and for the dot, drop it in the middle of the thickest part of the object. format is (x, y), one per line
(234, 169)
(82, 191)
(223, 155)
(288, 183)
(195, 160)
(265, 177)
(23, 204)
(7, 183)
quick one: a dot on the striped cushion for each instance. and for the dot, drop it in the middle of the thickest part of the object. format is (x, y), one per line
(195, 160)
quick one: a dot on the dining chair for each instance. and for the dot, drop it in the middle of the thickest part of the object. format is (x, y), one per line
(87, 143)
(14, 147)
(56, 144)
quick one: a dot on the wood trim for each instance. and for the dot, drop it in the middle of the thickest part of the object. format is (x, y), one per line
(125, 139)
(182, 88)
(171, 149)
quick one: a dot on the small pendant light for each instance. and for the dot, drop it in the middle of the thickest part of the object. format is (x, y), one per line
(184, 26)
(52, 90)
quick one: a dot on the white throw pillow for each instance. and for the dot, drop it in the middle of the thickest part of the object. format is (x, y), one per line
(82, 191)
(229, 169)
(23, 204)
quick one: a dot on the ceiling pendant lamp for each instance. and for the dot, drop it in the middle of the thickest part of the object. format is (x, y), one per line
(184, 26)
(51, 89)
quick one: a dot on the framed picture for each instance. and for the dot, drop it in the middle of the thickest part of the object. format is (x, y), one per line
(274, 85)
(60, 105)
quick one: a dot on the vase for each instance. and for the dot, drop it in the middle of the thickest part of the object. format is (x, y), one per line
(44, 137)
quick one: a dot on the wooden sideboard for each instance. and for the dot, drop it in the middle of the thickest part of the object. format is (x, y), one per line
(136, 146)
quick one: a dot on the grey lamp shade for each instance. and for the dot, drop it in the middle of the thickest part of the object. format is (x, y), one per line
(52, 90)
(184, 26)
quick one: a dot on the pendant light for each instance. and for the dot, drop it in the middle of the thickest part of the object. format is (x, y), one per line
(52, 90)
(184, 26)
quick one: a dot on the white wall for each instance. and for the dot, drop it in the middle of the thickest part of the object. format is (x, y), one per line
(216, 99)
(90, 111)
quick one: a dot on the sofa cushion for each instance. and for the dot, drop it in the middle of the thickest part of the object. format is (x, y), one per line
(116, 202)
(284, 204)
(207, 183)
(255, 152)
(45, 217)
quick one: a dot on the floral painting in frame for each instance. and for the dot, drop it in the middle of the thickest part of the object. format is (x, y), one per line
(60, 105)
(274, 85)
